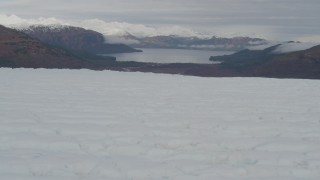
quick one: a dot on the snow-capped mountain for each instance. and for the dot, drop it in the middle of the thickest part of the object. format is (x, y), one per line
(103, 27)
(20, 50)
(141, 36)
(75, 38)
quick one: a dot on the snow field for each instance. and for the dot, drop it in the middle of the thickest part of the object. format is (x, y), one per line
(94, 125)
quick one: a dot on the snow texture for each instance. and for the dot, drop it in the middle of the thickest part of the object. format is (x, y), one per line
(88, 125)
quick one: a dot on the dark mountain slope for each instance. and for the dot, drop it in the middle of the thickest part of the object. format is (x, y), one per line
(266, 63)
(20, 50)
(246, 58)
(75, 38)
(302, 64)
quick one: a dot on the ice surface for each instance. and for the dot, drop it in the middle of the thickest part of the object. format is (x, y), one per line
(87, 125)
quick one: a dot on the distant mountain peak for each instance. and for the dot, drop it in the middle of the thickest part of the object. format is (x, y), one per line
(193, 42)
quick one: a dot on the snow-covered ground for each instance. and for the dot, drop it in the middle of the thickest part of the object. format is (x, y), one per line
(87, 125)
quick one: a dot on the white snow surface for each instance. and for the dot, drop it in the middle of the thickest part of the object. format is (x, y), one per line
(89, 125)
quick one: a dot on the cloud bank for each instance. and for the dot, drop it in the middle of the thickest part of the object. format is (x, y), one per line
(282, 20)
(111, 29)
(16, 21)
(293, 47)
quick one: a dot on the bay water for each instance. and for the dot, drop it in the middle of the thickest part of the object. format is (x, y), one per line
(170, 56)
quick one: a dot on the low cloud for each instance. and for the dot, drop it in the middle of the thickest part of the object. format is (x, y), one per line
(117, 39)
(282, 20)
(120, 28)
(264, 46)
(106, 28)
(285, 47)
(16, 21)
(311, 38)
(293, 47)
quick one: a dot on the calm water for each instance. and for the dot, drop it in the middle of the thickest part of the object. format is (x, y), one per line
(170, 56)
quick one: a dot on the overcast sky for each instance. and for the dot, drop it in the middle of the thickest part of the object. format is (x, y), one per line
(272, 19)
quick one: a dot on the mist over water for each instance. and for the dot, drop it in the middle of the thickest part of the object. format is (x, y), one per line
(170, 56)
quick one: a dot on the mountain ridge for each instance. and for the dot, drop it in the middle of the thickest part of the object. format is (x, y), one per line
(76, 38)
(266, 63)
(179, 42)
(304, 64)
(18, 50)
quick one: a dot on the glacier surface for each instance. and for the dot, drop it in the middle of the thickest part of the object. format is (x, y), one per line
(88, 125)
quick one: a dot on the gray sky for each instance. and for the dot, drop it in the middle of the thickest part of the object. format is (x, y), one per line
(272, 19)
